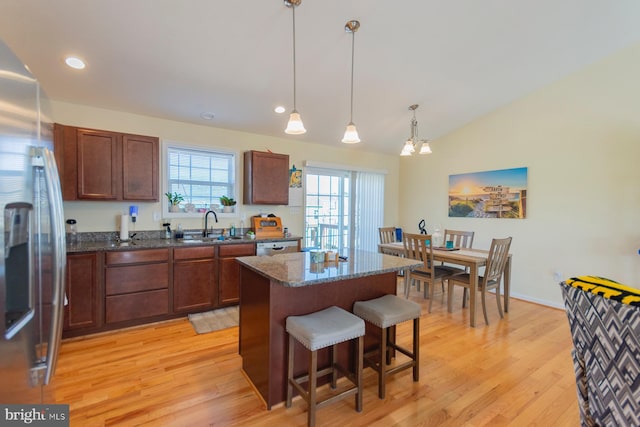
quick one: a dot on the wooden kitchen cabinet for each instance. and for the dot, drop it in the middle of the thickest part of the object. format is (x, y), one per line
(136, 285)
(83, 310)
(266, 178)
(104, 165)
(194, 279)
(229, 271)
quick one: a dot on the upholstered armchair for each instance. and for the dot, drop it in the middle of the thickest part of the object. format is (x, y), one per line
(604, 318)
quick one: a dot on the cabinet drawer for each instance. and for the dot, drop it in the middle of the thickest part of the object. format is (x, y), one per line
(136, 306)
(132, 257)
(135, 278)
(194, 253)
(243, 249)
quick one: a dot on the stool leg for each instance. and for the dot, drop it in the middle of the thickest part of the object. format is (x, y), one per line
(359, 356)
(290, 372)
(313, 379)
(391, 339)
(416, 348)
(334, 362)
(383, 367)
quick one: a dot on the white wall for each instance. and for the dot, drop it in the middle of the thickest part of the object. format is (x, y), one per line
(580, 139)
(103, 216)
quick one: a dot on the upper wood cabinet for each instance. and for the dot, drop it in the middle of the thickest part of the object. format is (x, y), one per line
(266, 178)
(104, 165)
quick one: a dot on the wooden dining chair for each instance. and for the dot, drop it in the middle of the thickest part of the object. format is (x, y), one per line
(461, 240)
(418, 247)
(496, 262)
(387, 234)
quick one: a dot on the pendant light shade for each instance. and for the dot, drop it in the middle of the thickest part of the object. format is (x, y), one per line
(295, 125)
(351, 133)
(409, 147)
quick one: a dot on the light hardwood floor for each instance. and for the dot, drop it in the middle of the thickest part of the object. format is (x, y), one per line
(514, 372)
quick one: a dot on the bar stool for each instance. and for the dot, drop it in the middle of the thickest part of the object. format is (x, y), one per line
(386, 312)
(315, 331)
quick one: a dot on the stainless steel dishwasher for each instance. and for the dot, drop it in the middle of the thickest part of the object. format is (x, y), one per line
(273, 248)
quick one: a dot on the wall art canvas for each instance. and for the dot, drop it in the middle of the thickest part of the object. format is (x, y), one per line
(490, 194)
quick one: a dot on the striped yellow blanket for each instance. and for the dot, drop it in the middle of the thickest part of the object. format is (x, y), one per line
(606, 288)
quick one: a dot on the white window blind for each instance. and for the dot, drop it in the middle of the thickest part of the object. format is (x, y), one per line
(369, 209)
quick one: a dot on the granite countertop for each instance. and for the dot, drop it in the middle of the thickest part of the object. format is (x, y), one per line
(296, 269)
(115, 245)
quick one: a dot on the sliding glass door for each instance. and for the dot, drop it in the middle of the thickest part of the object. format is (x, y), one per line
(343, 209)
(327, 209)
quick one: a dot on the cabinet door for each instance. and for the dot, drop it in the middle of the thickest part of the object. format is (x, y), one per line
(194, 285)
(97, 164)
(140, 167)
(229, 274)
(229, 281)
(82, 292)
(266, 180)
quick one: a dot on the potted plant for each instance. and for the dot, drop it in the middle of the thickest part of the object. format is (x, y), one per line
(227, 204)
(174, 201)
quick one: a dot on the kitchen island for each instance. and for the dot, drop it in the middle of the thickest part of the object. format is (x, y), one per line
(275, 287)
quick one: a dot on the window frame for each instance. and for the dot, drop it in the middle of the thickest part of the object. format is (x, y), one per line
(166, 146)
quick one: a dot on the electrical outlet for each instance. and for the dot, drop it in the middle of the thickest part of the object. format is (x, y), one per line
(156, 216)
(557, 276)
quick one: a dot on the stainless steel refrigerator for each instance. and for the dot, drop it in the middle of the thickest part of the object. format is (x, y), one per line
(32, 250)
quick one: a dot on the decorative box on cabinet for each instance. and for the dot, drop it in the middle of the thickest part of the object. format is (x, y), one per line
(104, 165)
(194, 279)
(266, 178)
(136, 284)
(230, 271)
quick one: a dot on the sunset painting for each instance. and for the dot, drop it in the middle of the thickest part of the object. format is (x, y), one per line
(491, 194)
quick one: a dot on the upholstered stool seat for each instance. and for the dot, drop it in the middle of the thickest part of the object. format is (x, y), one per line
(315, 331)
(386, 312)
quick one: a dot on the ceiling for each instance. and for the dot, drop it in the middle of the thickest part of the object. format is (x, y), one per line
(458, 60)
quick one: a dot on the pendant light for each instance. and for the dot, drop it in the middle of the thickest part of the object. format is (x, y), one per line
(351, 134)
(295, 126)
(412, 143)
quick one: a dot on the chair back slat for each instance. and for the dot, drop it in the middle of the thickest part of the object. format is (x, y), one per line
(387, 234)
(461, 239)
(418, 247)
(497, 259)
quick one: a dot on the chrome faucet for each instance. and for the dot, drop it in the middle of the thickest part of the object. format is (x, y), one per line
(204, 232)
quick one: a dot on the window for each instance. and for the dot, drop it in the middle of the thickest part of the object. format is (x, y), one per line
(201, 176)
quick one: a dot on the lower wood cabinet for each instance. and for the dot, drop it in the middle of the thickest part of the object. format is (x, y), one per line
(194, 279)
(230, 271)
(110, 290)
(82, 288)
(136, 284)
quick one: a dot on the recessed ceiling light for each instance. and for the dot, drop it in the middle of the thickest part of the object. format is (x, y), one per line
(279, 109)
(75, 62)
(207, 115)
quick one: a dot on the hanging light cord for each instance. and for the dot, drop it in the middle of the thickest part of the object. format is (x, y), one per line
(353, 38)
(293, 9)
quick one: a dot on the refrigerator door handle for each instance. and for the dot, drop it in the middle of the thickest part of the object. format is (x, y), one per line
(58, 257)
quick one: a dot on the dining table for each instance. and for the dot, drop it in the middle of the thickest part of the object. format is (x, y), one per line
(474, 259)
